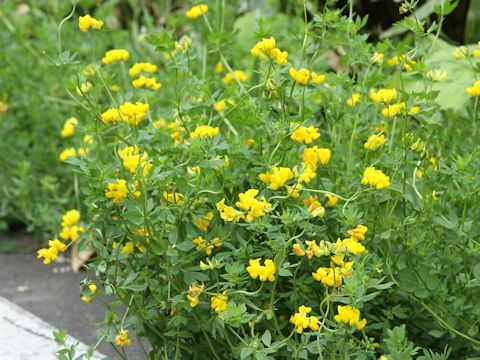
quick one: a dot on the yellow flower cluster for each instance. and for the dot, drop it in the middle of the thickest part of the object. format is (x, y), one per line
(87, 23)
(314, 206)
(194, 292)
(92, 288)
(474, 90)
(267, 50)
(313, 249)
(133, 113)
(115, 55)
(233, 76)
(117, 191)
(196, 11)
(333, 277)
(132, 158)
(146, 82)
(69, 127)
(392, 110)
(358, 233)
(349, 315)
(377, 57)
(255, 208)
(122, 338)
(219, 303)
(204, 132)
(374, 142)
(405, 59)
(262, 272)
(228, 213)
(303, 76)
(51, 254)
(202, 222)
(70, 227)
(305, 134)
(67, 153)
(205, 245)
(139, 67)
(383, 95)
(276, 177)
(376, 178)
(302, 321)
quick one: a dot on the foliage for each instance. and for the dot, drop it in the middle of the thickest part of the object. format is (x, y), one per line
(252, 206)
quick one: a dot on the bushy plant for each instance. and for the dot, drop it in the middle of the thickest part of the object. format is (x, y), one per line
(293, 196)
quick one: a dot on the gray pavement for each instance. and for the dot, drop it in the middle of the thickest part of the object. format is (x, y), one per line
(51, 292)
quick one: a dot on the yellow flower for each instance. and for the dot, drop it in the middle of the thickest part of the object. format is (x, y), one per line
(377, 58)
(276, 177)
(110, 116)
(133, 114)
(132, 158)
(374, 142)
(84, 88)
(300, 76)
(202, 222)
(266, 50)
(183, 44)
(176, 132)
(173, 197)
(301, 321)
(207, 246)
(353, 100)
(349, 315)
(50, 254)
(311, 156)
(90, 70)
(122, 338)
(222, 104)
(460, 52)
(3, 107)
(219, 68)
(314, 206)
(305, 134)
(117, 191)
(255, 208)
(86, 299)
(67, 153)
(358, 233)
(332, 200)
(414, 110)
(294, 191)
(196, 11)
(69, 127)
(204, 132)
(437, 75)
(194, 292)
(146, 82)
(86, 23)
(318, 79)
(219, 303)
(92, 288)
(145, 67)
(236, 75)
(475, 89)
(115, 55)
(317, 250)
(392, 110)
(349, 245)
(228, 213)
(70, 218)
(383, 95)
(262, 272)
(376, 178)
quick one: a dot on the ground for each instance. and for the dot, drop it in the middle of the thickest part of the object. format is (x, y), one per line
(51, 293)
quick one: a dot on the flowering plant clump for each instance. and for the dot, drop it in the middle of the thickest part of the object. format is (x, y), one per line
(271, 212)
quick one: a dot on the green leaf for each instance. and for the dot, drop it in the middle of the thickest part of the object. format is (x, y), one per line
(267, 338)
